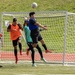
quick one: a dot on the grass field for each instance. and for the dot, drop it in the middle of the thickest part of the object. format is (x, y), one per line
(25, 5)
(41, 69)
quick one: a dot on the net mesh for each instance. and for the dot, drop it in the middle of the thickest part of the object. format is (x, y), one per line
(53, 37)
(70, 37)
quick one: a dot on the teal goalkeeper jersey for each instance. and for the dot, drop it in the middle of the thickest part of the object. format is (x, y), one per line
(27, 34)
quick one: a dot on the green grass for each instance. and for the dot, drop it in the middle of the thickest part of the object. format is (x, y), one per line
(41, 69)
(25, 5)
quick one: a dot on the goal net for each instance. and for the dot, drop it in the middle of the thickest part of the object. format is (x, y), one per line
(59, 37)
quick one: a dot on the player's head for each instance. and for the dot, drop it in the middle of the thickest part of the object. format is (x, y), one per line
(14, 21)
(32, 14)
(25, 23)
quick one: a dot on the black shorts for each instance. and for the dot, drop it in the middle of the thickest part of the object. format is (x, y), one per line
(40, 37)
(35, 35)
(15, 42)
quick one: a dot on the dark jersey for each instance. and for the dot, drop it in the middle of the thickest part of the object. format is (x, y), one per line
(31, 24)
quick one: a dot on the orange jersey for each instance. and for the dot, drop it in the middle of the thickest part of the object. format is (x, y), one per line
(15, 32)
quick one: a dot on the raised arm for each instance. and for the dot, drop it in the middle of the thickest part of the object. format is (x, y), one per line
(38, 24)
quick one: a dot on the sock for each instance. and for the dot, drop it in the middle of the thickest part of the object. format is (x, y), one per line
(15, 52)
(20, 46)
(32, 53)
(44, 46)
(40, 51)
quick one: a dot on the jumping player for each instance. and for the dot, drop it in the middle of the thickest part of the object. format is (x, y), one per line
(15, 35)
(34, 28)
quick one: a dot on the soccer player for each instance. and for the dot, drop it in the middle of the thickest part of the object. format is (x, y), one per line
(34, 28)
(29, 42)
(15, 35)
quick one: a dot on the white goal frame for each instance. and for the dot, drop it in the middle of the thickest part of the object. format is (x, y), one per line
(66, 14)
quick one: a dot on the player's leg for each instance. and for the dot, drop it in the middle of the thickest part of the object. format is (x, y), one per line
(45, 47)
(35, 41)
(15, 53)
(32, 53)
(28, 49)
(15, 50)
(20, 45)
(40, 52)
(43, 44)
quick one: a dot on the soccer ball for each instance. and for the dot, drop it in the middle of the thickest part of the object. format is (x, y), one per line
(34, 5)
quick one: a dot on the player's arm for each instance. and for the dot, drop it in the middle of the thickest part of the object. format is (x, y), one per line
(9, 28)
(38, 24)
(20, 26)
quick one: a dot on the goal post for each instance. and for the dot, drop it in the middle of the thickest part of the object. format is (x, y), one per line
(59, 37)
(69, 44)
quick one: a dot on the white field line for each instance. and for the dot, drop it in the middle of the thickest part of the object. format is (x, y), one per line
(26, 74)
(60, 74)
(47, 74)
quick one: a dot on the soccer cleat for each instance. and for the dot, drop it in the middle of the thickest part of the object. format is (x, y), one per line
(27, 51)
(43, 60)
(16, 59)
(0, 35)
(48, 51)
(20, 52)
(34, 65)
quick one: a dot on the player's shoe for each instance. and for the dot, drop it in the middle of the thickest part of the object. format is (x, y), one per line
(0, 35)
(16, 59)
(27, 51)
(20, 52)
(48, 51)
(34, 65)
(43, 60)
